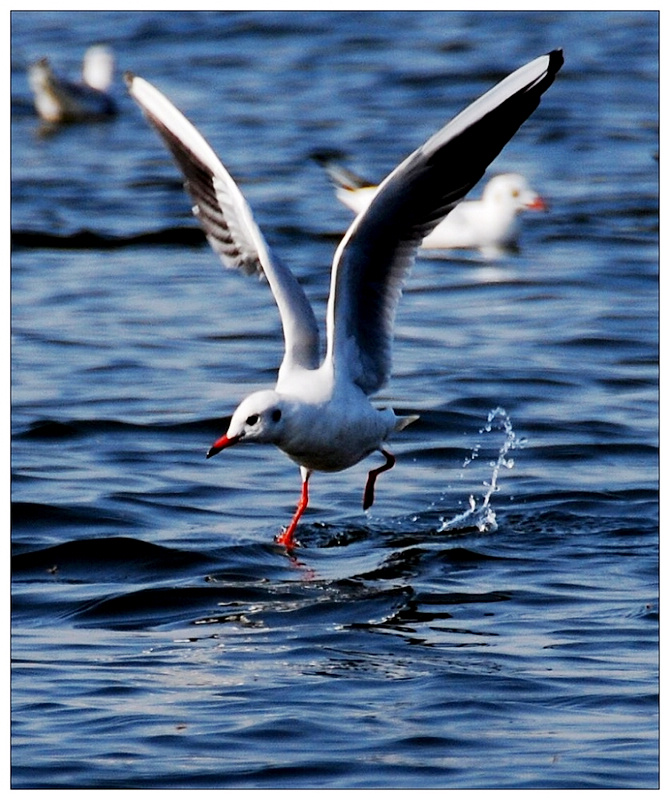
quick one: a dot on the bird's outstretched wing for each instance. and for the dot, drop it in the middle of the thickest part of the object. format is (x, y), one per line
(228, 222)
(377, 251)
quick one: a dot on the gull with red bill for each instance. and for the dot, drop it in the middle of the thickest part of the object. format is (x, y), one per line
(490, 224)
(319, 412)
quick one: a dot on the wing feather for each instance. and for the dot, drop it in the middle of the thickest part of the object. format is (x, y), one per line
(228, 222)
(376, 254)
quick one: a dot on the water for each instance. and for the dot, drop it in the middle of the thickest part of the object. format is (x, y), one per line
(493, 620)
(482, 515)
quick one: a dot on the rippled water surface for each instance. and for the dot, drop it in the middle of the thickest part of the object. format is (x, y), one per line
(159, 636)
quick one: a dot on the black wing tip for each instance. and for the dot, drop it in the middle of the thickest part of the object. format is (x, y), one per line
(327, 156)
(556, 60)
(128, 78)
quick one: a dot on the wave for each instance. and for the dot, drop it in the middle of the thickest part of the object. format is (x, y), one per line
(46, 429)
(185, 236)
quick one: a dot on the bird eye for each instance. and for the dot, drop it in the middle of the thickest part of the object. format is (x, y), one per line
(516, 193)
(276, 415)
(252, 420)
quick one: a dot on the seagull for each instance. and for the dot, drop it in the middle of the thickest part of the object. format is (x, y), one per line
(58, 100)
(488, 225)
(319, 413)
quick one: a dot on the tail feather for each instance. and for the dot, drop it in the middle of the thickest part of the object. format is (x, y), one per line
(402, 422)
(342, 177)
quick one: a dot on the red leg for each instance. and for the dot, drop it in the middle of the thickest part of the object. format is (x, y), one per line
(286, 537)
(369, 495)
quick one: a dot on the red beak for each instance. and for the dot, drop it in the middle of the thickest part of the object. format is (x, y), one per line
(221, 444)
(537, 205)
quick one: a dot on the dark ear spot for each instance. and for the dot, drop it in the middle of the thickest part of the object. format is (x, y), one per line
(276, 415)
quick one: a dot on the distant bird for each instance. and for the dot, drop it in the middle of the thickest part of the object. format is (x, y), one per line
(58, 100)
(319, 414)
(489, 225)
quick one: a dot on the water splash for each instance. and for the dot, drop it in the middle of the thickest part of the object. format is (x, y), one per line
(482, 516)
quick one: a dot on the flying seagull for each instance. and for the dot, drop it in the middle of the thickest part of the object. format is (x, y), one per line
(319, 412)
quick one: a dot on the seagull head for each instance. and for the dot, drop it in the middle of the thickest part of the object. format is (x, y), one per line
(258, 418)
(512, 190)
(98, 67)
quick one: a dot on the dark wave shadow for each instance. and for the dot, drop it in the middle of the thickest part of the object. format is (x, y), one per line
(84, 239)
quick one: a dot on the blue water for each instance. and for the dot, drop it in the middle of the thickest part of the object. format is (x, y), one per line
(159, 637)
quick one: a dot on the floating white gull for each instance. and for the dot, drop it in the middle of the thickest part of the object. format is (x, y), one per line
(488, 225)
(320, 414)
(59, 100)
